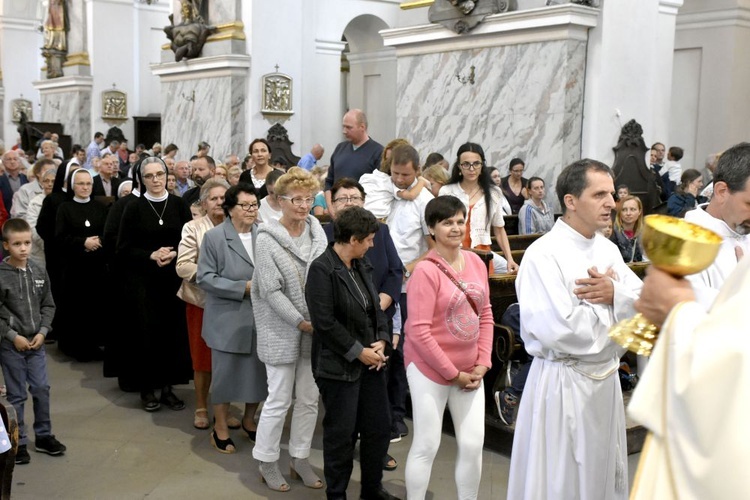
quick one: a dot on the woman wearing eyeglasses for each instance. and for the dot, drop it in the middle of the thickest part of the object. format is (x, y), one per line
(284, 250)
(226, 267)
(79, 229)
(157, 354)
(471, 183)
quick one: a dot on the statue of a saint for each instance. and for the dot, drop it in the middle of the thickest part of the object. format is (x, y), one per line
(188, 37)
(56, 28)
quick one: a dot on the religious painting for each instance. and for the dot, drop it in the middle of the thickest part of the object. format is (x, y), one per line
(277, 94)
(114, 105)
(19, 107)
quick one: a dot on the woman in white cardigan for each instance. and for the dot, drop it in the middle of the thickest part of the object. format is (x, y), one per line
(284, 251)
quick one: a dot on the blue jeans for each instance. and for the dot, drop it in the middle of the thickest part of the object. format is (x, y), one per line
(20, 369)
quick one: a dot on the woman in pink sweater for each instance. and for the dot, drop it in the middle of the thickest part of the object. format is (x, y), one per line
(447, 350)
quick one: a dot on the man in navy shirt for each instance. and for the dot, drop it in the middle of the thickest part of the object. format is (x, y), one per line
(356, 156)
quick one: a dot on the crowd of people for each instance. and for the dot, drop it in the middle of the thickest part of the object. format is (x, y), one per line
(232, 281)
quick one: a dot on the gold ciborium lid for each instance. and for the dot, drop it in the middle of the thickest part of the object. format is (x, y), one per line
(675, 246)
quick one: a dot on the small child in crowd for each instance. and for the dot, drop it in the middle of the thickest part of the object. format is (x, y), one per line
(26, 312)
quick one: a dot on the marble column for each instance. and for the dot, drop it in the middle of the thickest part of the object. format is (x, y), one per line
(205, 99)
(514, 85)
(67, 100)
(2, 109)
(77, 61)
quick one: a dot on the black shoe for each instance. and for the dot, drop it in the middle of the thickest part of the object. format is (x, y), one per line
(173, 402)
(381, 494)
(250, 434)
(398, 430)
(223, 445)
(150, 403)
(389, 463)
(22, 455)
(49, 445)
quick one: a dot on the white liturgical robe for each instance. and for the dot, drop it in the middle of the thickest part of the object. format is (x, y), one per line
(570, 440)
(695, 401)
(707, 283)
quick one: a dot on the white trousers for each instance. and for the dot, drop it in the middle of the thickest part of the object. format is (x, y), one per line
(428, 401)
(284, 382)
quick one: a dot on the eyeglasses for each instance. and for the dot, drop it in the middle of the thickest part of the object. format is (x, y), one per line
(348, 199)
(298, 202)
(477, 165)
(248, 207)
(157, 175)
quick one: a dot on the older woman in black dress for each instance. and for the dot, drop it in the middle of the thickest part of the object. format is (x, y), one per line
(78, 230)
(225, 271)
(350, 335)
(150, 230)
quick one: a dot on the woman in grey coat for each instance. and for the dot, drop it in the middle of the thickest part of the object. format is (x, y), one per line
(284, 251)
(225, 273)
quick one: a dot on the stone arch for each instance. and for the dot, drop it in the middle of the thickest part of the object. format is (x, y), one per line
(370, 82)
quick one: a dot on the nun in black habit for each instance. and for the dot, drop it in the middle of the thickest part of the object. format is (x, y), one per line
(78, 233)
(157, 354)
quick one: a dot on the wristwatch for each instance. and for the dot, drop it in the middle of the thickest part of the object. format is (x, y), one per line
(407, 274)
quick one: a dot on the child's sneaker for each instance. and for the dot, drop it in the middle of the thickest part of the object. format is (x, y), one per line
(507, 406)
(49, 445)
(22, 455)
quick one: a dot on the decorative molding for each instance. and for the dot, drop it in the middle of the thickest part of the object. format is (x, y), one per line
(228, 31)
(560, 22)
(383, 55)
(416, 4)
(202, 67)
(18, 23)
(739, 17)
(670, 7)
(77, 59)
(65, 84)
(329, 47)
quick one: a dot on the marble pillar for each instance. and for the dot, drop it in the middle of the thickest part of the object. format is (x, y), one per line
(67, 100)
(2, 110)
(204, 99)
(514, 85)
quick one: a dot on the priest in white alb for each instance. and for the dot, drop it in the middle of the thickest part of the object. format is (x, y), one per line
(728, 215)
(572, 287)
(695, 396)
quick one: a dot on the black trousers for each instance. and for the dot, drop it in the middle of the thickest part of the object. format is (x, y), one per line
(351, 408)
(397, 383)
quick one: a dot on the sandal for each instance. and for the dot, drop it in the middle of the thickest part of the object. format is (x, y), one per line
(299, 468)
(201, 422)
(250, 434)
(223, 445)
(173, 402)
(271, 475)
(233, 422)
(389, 463)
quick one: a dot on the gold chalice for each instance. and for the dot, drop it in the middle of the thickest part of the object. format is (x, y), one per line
(675, 246)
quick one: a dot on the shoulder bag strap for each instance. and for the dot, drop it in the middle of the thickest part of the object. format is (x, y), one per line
(455, 282)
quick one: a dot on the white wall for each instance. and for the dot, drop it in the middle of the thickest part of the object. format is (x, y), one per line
(20, 59)
(150, 20)
(628, 69)
(720, 31)
(307, 46)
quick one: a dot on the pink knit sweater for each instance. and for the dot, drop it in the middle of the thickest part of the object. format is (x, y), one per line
(443, 335)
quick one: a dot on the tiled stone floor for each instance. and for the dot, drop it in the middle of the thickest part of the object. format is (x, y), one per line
(118, 451)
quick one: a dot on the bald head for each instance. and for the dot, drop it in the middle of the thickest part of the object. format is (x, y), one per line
(355, 127)
(317, 151)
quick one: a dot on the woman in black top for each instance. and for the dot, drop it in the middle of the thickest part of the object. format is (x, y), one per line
(157, 353)
(514, 185)
(78, 232)
(350, 337)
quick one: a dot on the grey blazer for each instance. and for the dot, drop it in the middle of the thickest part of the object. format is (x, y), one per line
(224, 267)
